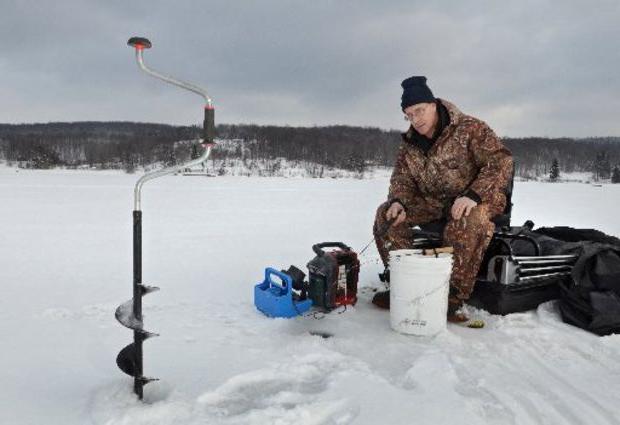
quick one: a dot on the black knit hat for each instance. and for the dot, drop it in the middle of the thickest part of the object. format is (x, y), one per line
(415, 91)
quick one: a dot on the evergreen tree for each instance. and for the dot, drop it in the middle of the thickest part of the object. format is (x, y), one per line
(169, 155)
(615, 176)
(195, 151)
(555, 170)
(602, 166)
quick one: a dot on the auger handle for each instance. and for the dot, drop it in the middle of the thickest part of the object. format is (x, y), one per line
(141, 43)
(208, 125)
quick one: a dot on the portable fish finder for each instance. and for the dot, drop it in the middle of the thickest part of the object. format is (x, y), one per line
(333, 276)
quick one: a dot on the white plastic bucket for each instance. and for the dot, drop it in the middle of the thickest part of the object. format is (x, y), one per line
(419, 286)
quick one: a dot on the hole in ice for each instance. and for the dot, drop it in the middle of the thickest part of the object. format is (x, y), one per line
(322, 334)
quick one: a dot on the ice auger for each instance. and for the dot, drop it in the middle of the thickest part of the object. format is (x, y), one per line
(129, 314)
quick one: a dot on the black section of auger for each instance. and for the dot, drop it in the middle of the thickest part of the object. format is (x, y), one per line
(138, 291)
(136, 312)
(129, 314)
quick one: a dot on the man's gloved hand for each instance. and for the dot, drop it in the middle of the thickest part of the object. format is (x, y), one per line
(462, 205)
(397, 212)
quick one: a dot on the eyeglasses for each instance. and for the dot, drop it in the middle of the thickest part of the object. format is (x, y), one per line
(416, 113)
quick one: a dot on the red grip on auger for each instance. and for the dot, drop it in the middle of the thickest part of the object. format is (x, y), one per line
(139, 43)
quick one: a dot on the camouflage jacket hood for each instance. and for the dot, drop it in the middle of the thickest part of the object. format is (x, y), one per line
(466, 157)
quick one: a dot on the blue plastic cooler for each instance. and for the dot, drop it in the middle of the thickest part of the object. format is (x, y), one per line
(275, 299)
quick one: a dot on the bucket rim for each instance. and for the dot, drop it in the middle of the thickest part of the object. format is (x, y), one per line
(418, 256)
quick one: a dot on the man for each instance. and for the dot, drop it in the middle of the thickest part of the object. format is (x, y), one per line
(453, 171)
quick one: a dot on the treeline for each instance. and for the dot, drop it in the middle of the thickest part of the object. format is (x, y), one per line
(349, 148)
(101, 145)
(535, 155)
(127, 145)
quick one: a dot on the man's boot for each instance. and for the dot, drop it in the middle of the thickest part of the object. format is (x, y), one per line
(382, 299)
(459, 318)
(385, 276)
(454, 316)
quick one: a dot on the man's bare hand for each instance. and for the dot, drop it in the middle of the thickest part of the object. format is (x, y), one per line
(462, 205)
(396, 211)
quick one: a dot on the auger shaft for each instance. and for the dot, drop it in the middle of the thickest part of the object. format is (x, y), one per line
(137, 300)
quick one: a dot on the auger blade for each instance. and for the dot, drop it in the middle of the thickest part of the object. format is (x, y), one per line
(124, 314)
(127, 361)
(145, 379)
(148, 289)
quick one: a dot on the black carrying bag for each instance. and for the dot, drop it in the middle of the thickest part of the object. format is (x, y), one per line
(591, 300)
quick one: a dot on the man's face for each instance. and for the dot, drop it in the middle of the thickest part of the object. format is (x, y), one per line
(423, 117)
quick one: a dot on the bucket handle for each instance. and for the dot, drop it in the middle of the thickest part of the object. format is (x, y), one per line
(318, 248)
(426, 295)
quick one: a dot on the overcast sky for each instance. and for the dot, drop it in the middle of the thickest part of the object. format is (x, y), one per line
(528, 68)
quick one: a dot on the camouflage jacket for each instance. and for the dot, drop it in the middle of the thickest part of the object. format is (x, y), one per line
(467, 156)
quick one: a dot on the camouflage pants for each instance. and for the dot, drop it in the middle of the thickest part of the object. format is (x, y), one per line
(469, 236)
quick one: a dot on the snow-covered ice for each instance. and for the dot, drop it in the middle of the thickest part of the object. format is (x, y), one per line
(65, 265)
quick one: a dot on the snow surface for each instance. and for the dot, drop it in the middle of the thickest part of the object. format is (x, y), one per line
(65, 265)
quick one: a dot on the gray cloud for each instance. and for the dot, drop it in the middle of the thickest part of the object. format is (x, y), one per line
(527, 68)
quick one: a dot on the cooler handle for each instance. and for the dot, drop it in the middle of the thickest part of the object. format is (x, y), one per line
(287, 281)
